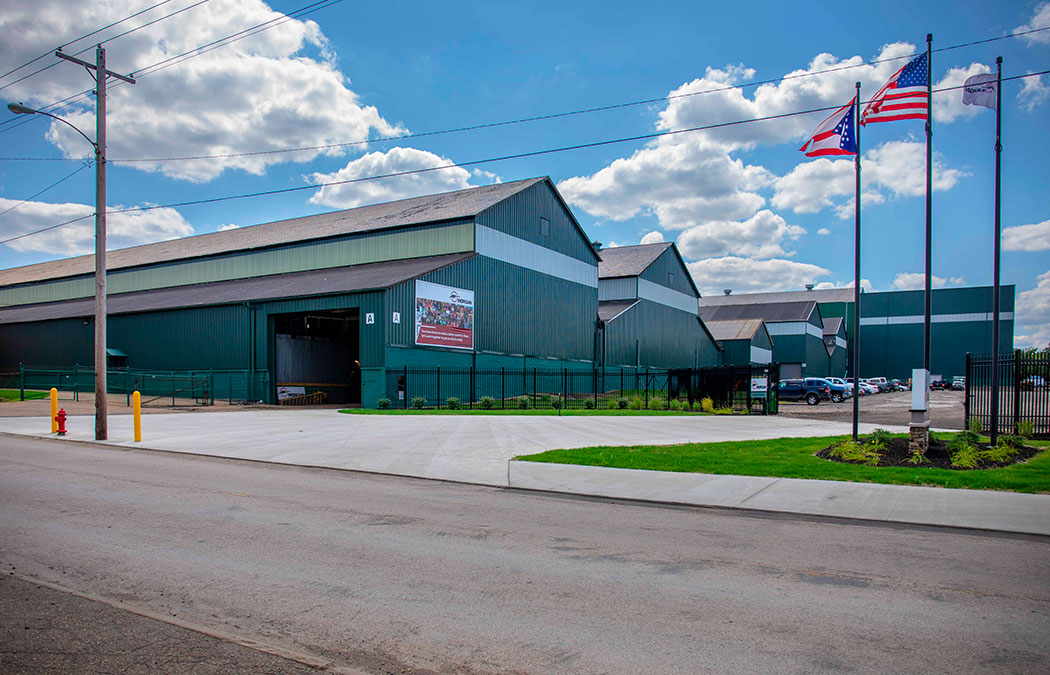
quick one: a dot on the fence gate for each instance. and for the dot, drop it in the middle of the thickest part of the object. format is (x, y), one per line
(1024, 392)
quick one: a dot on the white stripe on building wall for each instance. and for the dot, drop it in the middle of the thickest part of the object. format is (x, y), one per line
(502, 246)
(760, 355)
(625, 288)
(663, 295)
(936, 318)
(794, 328)
(840, 342)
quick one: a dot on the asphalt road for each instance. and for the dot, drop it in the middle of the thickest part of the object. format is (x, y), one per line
(395, 575)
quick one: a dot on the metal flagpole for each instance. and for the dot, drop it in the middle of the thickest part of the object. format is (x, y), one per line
(856, 276)
(995, 268)
(929, 202)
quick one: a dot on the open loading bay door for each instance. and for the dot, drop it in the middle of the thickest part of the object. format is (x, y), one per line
(318, 352)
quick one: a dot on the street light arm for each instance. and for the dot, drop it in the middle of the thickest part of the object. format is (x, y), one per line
(24, 110)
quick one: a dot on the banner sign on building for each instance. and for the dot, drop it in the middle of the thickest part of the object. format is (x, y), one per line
(444, 316)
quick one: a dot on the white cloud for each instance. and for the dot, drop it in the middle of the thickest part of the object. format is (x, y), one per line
(823, 231)
(122, 229)
(909, 281)
(948, 105)
(394, 160)
(758, 236)
(895, 168)
(654, 237)
(1027, 237)
(1033, 314)
(1040, 19)
(745, 275)
(1034, 93)
(865, 285)
(231, 226)
(279, 88)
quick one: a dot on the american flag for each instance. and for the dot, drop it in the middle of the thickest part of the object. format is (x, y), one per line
(903, 97)
(834, 136)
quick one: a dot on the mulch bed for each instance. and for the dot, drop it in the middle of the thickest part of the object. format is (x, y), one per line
(898, 453)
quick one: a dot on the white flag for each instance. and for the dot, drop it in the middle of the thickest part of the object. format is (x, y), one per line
(980, 90)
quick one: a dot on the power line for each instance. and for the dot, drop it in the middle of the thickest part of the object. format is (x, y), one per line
(109, 39)
(82, 37)
(534, 153)
(60, 180)
(489, 125)
(192, 53)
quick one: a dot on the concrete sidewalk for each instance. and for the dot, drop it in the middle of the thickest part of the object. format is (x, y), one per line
(478, 449)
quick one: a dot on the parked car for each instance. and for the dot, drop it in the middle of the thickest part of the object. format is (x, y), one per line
(812, 390)
(938, 385)
(1033, 382)
(959, 384)
(869, 386)
(881, 382)
(861, 389)
(838, 391)
(848, 386)
(898, 385)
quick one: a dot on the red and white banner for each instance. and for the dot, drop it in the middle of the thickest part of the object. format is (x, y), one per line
(444, 316)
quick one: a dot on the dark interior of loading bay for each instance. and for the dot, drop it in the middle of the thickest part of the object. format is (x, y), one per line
(319, 351)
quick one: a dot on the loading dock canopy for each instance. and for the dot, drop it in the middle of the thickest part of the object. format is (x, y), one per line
(368, 277)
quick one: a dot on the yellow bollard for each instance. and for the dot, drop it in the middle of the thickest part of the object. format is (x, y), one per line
(54, 410)
(137, 403)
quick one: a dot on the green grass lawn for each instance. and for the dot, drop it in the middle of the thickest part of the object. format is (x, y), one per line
(516, 411)
(794, 458)
(13, 395)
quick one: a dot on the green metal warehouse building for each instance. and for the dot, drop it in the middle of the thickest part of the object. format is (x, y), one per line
(494, 276)
(891, 326)
(647, 309)
(745, 342)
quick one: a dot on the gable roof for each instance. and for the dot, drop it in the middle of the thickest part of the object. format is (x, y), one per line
(364, 277)
(833, 325)
(413, 211)
(735, 329)
(825, 295)
(769, 312)
(629, 261)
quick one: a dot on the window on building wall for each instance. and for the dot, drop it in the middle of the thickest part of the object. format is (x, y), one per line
(670, 278)
(545, 227)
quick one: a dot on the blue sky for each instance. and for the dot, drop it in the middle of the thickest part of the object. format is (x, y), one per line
(748, 211)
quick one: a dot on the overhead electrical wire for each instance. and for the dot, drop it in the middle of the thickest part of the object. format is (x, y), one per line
(60, 180)
(83, 37)
(489, 125)
(14, 122)
(109, 39)
(490, 160)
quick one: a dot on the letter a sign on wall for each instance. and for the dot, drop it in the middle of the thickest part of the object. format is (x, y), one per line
(444, 316)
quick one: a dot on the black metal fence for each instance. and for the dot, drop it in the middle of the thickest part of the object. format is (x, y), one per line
(157, 387)
(730, 389)
(1024, 392)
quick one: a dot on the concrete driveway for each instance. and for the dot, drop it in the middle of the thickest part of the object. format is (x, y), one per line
(468, 448)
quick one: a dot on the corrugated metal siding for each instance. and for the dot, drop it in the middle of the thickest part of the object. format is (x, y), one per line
(669, 263)
(660, 336)
(187, 339)
(517, 311)
(622, 288)
(47, 343)
(519, 216)
(354, 250)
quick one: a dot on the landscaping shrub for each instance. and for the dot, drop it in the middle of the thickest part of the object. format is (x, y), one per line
(1012, 441)
(556, 402)
(657, 403)
(383, 404)
(675, 405)
(637, 403)
(622, 403)
(707, 405)
(452, 403)
(862, 453)
(589, 404)
(974, 425)
(486, 403)
(880, 438)
(723, 411)
(523, 403)
(1025, 428)
(964, 438)
(1002, 452)
(965, 456)
(419, 402)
